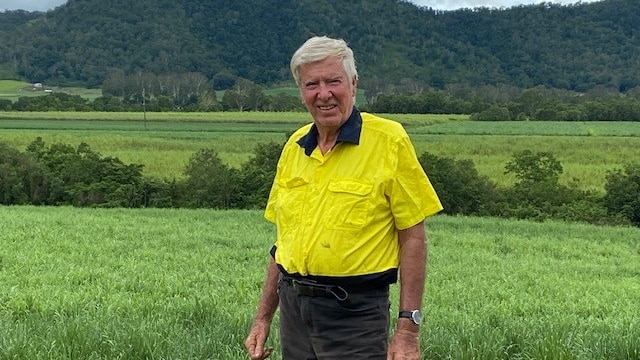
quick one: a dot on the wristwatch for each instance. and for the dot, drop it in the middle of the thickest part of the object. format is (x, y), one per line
(415, 316)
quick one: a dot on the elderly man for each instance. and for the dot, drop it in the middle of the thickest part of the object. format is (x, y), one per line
(348, 200)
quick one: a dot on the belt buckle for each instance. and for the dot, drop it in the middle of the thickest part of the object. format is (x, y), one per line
(312, 288)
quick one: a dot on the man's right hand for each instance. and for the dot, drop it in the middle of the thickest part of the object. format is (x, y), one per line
(256, 340)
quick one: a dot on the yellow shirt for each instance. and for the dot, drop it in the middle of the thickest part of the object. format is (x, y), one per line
(337, 214)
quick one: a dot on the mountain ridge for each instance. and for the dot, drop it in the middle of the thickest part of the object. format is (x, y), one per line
(575, 47)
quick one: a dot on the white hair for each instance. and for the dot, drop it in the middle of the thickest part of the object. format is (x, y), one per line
(319, 48)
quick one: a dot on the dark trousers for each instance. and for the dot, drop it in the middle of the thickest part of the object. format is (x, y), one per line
(323, 328)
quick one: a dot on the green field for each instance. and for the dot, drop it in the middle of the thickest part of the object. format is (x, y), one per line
(165, 141)
(183, 284)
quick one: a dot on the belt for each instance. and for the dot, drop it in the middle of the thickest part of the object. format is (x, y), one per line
(311, 288)
(306, 287)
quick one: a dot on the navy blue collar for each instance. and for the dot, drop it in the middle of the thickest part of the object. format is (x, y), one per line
(349, 132)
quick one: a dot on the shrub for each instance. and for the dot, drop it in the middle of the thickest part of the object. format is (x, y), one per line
(493, 113)
(82, 177)
(6, 105)
(22, 179)
(534, 167)
(622, 199)
(256, 176)
(460, 188)
(210, 183)
(538, 194)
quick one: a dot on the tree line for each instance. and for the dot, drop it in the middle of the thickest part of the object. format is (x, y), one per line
(192, 92)
(499, 103)
(60, 174)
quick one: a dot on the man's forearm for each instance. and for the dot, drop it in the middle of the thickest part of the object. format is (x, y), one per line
(413, 263)
(269, 299)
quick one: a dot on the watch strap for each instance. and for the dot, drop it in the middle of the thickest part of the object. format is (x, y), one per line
(405, 314)
(413, 315)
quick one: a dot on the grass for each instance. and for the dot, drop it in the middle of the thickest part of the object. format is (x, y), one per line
(183, 284)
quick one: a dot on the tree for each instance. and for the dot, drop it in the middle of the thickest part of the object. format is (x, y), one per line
(528, 167)
(256, 176)
(622, 199)
(245, 95)
(538, 194)
(532, 99)
(22, 178)
(79, 176)
(493, 113)
(210, 182)
(461, 189)
(285, 102)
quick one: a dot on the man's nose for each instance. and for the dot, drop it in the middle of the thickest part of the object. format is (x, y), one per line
(324, 92)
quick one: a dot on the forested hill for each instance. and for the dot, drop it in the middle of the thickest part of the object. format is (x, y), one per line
(574, 47)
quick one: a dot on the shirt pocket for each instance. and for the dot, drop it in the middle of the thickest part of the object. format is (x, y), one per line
(350, 203)
(290, 201)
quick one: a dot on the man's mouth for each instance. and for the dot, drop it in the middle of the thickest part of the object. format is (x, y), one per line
(326, 107)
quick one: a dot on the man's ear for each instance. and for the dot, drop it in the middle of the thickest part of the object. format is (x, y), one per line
(354, 83)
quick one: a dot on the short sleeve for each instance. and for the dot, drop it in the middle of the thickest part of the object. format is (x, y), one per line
(411, 195)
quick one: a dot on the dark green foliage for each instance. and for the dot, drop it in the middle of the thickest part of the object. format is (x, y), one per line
(108, 103)
(57, 101)
(256, 176)
(574, 47)
(82, 177)
(529, 167)
(493, 113)
(170, 55)
(6, 105)
(284, 102)
(11, 19)
(537, 193)
(462, 191)
(432, 102)
(622, 200)
(210, 183)
(22, 178)
(63, 175)
(539, 200)
(492, 103)
(163, 194)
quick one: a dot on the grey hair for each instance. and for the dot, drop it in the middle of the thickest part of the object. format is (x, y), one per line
(319, 48)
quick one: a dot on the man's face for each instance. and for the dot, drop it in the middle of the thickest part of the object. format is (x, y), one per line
(327, 92)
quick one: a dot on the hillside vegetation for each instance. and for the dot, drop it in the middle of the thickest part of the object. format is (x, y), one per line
(83, 42)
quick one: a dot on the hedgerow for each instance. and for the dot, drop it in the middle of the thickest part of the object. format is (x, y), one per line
(60, 174)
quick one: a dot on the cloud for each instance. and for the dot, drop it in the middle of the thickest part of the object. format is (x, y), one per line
(457, 4)
(44, 5)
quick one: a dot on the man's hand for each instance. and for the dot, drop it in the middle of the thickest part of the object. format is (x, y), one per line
(404, 346)
(256, 340)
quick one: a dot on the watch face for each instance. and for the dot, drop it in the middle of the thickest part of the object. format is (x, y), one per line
(416, 316)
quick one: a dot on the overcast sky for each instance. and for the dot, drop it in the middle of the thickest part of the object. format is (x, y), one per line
(44, 5)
